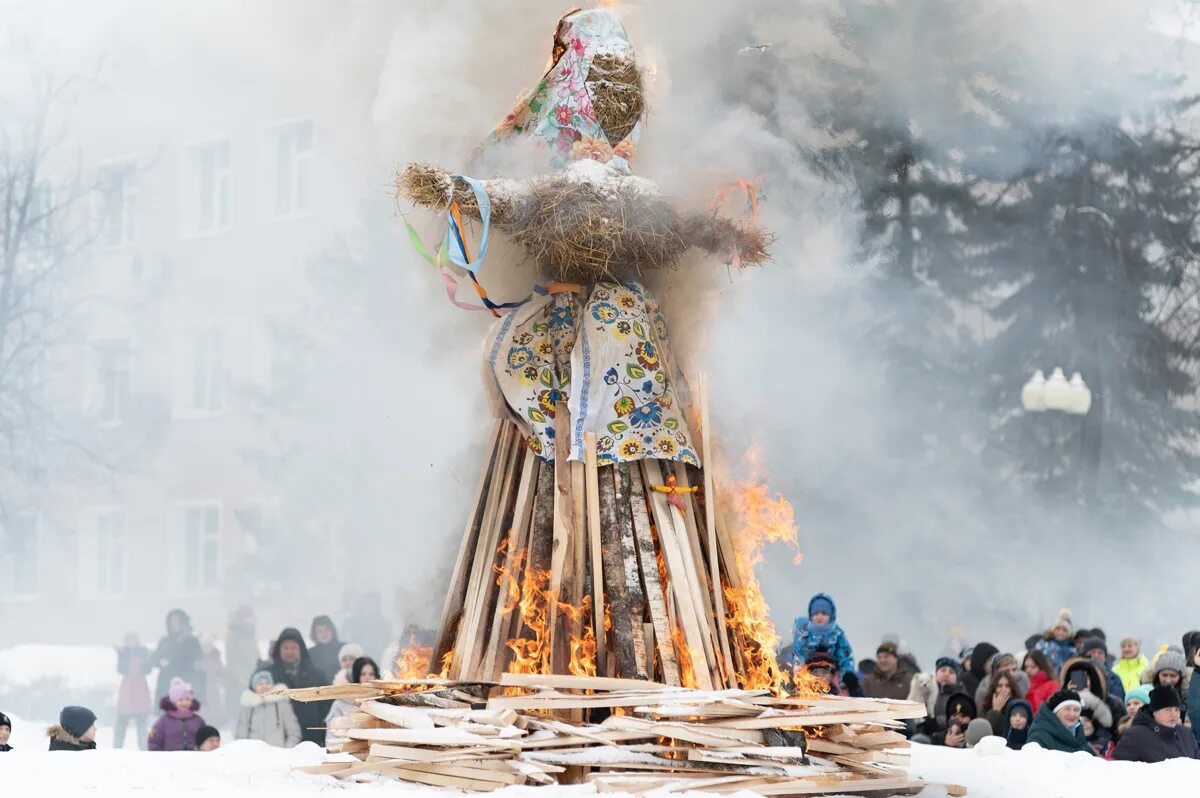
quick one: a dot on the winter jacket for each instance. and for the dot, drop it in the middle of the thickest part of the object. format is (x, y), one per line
(62, 740)
(4, 749)
(1146, 741)
(268, 718)
(808, 637)
(134, 664)
(1107, 709)
(175, 729)
(302, 673)
(182, 654)
(1050, 733)
(1057, 651)
(325, 655)
(1129, 671)
(1041, 687)
(1116, 688)
(895, 686)
(926, 689)
(977, 667)
(1015, 738)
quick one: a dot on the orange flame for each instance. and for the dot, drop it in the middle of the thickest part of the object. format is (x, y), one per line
(762, 518)
(414, 662)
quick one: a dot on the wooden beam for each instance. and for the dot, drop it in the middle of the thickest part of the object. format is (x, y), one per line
(595, 546)
(564, 533)
(655, 594)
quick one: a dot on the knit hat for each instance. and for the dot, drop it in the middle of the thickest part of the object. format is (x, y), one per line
(4, 721)
(1170, 659)
(977, 729)
(1093, 643)
(1000, 659)
(1163, 698)
(1141, 693)
(1063, 619)
(821, 659)
(961, 704)
(261, 676)
(820, 603)
(205, 733)
(76, 720)
(1064, 698)
(886, 647)
(352, 650)
(179, 689)
(945, 662)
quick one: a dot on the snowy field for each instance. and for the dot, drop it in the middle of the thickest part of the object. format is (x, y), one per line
(254, 769)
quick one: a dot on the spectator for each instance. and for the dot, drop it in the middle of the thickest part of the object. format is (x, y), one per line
(326, 645)
(1043, 679)
(979, 666)
(242, 656)
(350, 652)
(888, 680)
(1170, 667)
(1135, 699)
(822, 667)
(934, 690)
(1096, 650)
(178, 652)
(820, 630)
(1056, 726)
(1018, 714)
(176, 728)
(1085, 677)
(133, 696)
(960, 711)
(1193, 707)
(1129, 668)
(1056, 643)
(291, 665)
(1098, 737)
(269, 718)
(1001, 663)
(5, 733)
(208, 739)
(1004, 688)
(214, 677)
(1156, 734)
(75, 731)
(364, 669)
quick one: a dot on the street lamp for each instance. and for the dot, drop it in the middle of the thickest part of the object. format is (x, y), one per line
(1056, 393)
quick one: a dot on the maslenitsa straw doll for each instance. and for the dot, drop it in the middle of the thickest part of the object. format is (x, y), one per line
(586, 374)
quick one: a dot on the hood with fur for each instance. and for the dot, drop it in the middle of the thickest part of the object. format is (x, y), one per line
(252, 700)
(167, 705)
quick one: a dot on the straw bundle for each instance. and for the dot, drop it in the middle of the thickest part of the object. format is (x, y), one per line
(618, 101)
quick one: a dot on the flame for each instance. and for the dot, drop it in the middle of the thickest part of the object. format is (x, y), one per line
(687, 669)
(414, 662)
(762, 518)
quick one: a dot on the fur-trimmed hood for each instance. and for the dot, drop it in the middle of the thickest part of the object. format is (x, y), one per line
(168, 706)
(252, 700)
(57, 732)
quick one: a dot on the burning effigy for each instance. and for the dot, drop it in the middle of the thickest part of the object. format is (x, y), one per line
(603, 620)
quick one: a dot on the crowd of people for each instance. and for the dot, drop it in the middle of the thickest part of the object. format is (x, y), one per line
(236, 690)
(1064, 690)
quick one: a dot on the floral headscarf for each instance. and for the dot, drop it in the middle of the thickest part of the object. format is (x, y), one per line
(559, 110)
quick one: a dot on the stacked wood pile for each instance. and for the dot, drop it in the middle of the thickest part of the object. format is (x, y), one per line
(621, 735)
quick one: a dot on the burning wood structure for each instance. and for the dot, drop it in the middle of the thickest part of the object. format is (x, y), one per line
(603, 621)
(620, 735)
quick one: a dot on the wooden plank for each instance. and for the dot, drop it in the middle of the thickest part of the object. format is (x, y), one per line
(568, 682)
(441, 735)
(442, 779)
(564, 533)
(496, 653)
(781, 720)
(595, 546)
(682, 579)
(722, 673)
(407, 753)
(623, 660)
(710, 522)
(456, 591)
(699, 733)
(655, 594)
(635, 595)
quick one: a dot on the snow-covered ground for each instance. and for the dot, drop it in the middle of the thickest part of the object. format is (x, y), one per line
(248, 769)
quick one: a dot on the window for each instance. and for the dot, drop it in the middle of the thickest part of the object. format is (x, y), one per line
(20, 557)
(108, 393)
(210, 181)
(201, 546)
(102, 553)
(293, 168)
(118, 198)
(201, 387)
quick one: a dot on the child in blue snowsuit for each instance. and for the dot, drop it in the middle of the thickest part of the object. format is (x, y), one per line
(821, 631)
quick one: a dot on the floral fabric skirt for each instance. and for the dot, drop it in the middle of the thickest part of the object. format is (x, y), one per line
(606, 356)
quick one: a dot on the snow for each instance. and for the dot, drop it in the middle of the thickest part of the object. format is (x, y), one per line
(250, 768)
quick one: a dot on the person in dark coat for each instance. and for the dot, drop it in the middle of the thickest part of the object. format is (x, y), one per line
(178, 654)
(291, 665)
(1156, 733)
(5, 731)
(978, 667)
(1018, 715)
(889, 680)
(960, 711)
(1096, 650)
(326, 645)
(75, 730)
(1056, 726)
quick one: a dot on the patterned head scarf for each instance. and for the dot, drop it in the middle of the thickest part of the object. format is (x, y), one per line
(559, 109)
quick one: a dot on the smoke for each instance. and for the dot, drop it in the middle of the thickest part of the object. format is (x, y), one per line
(901, 544)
